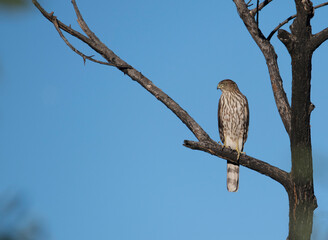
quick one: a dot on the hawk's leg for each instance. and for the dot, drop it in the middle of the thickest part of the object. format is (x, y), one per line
(239, 152)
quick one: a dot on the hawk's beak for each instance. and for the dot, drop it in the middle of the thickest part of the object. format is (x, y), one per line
(218, 87)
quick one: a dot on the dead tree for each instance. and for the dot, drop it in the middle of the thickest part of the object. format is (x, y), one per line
(300, 43)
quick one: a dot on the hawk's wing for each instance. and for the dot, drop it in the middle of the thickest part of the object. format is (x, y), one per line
(246, 123)
(220, 121)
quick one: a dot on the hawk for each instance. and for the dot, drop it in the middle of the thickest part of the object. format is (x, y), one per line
(233, 116)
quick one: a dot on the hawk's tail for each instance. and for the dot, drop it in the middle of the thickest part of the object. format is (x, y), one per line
(232, 177)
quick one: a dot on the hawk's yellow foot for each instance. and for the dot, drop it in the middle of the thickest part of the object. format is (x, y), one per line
(239, 152)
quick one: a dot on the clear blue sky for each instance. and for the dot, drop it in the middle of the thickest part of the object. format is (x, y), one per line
(98, 157)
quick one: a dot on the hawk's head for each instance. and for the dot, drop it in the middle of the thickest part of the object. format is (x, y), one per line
(227, 85)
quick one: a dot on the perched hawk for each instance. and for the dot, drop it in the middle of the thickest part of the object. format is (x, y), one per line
(233, 115)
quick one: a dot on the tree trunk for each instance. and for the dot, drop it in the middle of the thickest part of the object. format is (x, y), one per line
(302, 201)
(302, 204)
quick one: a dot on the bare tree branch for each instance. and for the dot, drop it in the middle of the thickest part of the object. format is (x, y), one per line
(271, 61)
(135, 75)
(286, 38)
(290, 18)
(258, 13)
(321, 5)
(279, 26)
(100, 48)
(55, 22)
(249, 4)
(66, 28)
(319, 38)
(83, 24)
(261, 6)
(252, 163)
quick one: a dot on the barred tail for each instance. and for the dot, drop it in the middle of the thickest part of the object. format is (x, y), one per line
(232, 177)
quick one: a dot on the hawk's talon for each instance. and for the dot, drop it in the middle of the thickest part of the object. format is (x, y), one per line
(239, 152)
(222, 144)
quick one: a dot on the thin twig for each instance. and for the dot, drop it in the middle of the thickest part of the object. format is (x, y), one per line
(249, 4)
(97, 46)
(321, 5)
(257, 13)
(260, 7)
(291, 18)
(83, 24)
(55, 22)
(66, 28)
(279, 26)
